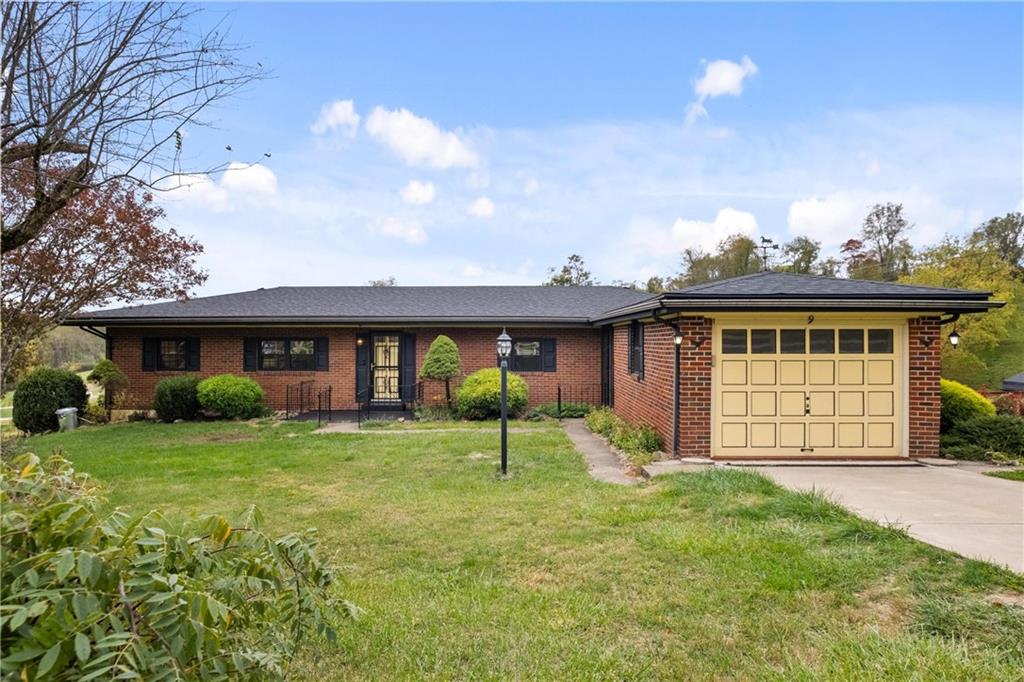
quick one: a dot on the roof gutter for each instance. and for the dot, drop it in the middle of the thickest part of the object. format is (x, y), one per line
(362, 321)
(645, 308)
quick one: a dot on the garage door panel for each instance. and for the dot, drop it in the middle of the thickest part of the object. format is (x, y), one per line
(822, 403)
(821, 372)
(734, 372)
(880, 435)
(762, 404)
(734, 435)
(791, 435)
(821, 435)
(792, 372)
(880, 403)
(792, 403)
(762, 435)
(851, 435)
(851, 403)
(880, 372)
(734, 403)
(851, 372)
(762, 372)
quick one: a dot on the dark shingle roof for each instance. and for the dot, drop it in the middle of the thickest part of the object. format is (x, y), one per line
(472, 303)
(1014, 383)
(784, 284)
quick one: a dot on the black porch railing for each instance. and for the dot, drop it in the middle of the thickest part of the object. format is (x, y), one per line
(366, 403)
(577, 394)
(299, 398)
(323, 405)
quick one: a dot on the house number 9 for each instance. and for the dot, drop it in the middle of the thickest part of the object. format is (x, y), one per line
(810, 319)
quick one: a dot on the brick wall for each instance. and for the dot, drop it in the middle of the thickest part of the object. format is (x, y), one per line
(925, 365)
(649, 400)
(578, 360)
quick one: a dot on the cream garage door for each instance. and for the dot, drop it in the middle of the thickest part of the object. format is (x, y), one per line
(809, 391)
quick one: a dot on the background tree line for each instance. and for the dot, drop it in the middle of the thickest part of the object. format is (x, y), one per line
(989, 258)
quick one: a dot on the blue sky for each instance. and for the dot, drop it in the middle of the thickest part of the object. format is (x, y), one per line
(462, 144)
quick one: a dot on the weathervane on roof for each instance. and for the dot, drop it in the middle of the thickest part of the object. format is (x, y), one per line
(767, 246)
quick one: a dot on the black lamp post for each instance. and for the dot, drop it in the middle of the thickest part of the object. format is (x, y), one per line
(504, 350)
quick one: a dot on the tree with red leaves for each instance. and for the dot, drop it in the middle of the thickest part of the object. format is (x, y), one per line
(105, 246)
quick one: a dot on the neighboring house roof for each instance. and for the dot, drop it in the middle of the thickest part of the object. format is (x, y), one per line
(497, 304)
(1014, 383)
(536, 304)
(786, 291)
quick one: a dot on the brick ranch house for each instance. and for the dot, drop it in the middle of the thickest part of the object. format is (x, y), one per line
(769, 365)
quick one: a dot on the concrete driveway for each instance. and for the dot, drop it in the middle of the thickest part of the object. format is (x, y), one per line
(974, 515)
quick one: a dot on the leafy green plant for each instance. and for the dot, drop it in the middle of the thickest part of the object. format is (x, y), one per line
(960, 403)
(442, 362)
(433, 413)
(90, 595)
(954, 448)
(638, 442)
(96, 413)
(569, 410)
(230, 396)
(479, 396)
(41, 393)
(177, 398)
(996, 433)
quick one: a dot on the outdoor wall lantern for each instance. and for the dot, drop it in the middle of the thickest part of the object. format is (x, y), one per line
(954, 338)
(678, 338)
(359, 340)
(504, 350)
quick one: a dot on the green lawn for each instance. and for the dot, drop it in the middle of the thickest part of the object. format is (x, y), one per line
(1011, 475)
(552, 575)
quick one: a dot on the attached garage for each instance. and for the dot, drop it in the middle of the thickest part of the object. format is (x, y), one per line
(784, 366)
(809, 387)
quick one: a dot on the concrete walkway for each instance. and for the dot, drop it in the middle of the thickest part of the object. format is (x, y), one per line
(977, 516)
(603, 463)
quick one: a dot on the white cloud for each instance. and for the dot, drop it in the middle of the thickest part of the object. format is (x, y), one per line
(239, 180)
(531, 187)
(706, 235)
(339, 115)
(481, 208)
(873, 168)
(836, 217)
(721, 77)
(249, 179)
(472, 271)
(407, 230)
(418, 193)
(419, 141)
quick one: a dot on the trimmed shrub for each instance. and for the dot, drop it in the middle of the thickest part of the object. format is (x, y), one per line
(230, 396)
(442, 362)
(177, 398)
(569, 410)
(997, 433)
(479, 396)
(960, 403)
(41, 393)
(954, 448)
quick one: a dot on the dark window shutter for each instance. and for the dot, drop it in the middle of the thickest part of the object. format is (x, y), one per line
(547, 355)
(251, 355)
(362, 368)
(150, 349)
(407, 369)
(321, 344)
(192, 361)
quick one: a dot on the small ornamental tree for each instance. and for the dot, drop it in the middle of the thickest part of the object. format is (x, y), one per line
(110, 377)
(442, 362)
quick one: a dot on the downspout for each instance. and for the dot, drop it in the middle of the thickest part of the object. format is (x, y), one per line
(675, 378)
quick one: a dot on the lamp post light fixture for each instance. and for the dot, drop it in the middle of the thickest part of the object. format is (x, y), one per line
(504, 350)
(678, 339)
(954, 338)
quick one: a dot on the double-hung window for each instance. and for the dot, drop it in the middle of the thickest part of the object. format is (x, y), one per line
(297, 355)
(170, 354)
(532, 355)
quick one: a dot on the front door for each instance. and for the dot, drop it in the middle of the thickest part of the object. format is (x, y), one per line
(384, 369)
